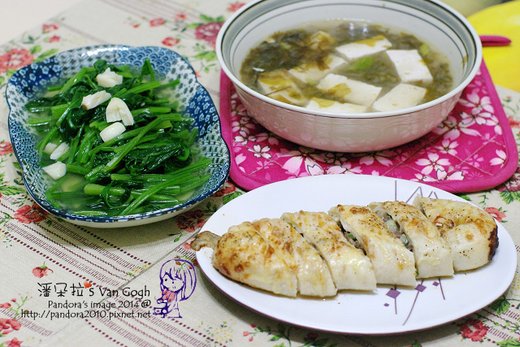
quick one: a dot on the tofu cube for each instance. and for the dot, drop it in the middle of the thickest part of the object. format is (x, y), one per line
(327, 105)
(410, 66)
(278, 85)
(348, 90)
(321, 40)
(363, 48)
(401, 96)
(311, 73)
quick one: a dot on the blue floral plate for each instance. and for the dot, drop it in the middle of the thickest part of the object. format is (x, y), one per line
(195, 101)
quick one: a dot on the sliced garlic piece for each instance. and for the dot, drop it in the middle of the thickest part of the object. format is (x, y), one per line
(59, 151)
(56, 170)
(108, 78)
(111, 131)
(96, 99)
(117, 110)
(49, 148)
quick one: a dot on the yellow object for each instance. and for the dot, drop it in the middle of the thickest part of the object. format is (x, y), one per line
(468, 7)
(503, 62)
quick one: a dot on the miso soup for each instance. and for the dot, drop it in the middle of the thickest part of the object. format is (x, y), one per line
(347, 67)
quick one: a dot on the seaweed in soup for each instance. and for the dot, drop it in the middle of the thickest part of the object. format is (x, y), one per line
(315, 44)
(283, 50)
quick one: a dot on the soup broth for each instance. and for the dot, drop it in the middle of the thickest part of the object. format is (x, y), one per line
(347, 67)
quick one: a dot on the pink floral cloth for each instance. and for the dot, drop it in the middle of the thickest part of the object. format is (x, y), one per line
(473, 149)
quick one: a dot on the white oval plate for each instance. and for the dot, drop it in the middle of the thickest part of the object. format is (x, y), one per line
(387, 310)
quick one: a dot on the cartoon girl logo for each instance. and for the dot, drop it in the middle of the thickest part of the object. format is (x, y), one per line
(178, 281)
